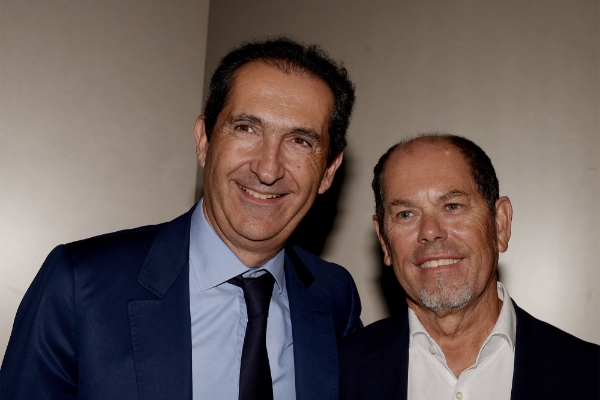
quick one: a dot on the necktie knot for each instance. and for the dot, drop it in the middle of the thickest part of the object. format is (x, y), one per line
(257, 293)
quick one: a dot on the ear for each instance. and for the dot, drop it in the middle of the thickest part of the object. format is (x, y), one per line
(201, 140)
(330, 173)
(503, 218)
(387, 259)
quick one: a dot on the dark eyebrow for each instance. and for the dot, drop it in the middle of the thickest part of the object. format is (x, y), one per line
(401, 203)
(453, 194)
(311, 133)
(253, 119)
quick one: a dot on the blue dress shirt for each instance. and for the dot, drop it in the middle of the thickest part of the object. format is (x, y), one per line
(218, 316)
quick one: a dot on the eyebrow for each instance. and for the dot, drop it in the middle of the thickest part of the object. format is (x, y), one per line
(453, 194)
(311, 133)
(401, 203)
(253, 119)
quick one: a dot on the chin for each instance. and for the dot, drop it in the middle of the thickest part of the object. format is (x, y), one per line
(446, 298)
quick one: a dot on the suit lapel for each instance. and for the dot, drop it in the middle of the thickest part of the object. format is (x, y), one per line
(533, 370)
(385, 366)
(160, 328)
(313, 331)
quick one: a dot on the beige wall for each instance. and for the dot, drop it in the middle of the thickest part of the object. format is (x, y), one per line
(97, 106)
(98, 101)
(519, 78)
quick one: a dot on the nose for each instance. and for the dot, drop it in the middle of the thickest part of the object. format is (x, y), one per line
(431, 229)
(267, 164)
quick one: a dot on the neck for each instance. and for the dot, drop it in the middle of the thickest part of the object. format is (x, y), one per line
(460, 333)
(252, 255)
(253, 259)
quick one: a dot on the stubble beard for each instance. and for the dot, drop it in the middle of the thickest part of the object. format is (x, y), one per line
(445, 298)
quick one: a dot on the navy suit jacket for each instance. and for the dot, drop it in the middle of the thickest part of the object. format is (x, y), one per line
(549, 363)
(109, 318)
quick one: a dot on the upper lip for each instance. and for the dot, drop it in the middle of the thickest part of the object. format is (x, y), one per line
(260, 193)
(423, 260)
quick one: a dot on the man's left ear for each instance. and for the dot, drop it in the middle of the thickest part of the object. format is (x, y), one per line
(503, 218)
(330, 173)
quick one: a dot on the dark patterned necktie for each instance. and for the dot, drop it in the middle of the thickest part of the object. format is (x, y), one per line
(255, 373)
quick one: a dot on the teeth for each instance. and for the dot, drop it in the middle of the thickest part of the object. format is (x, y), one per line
(260, 195)
(439, 263)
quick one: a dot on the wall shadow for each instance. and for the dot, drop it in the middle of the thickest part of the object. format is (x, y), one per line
(501, 272)
(393, 294)
(311, 234)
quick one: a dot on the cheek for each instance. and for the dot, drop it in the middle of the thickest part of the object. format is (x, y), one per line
(478, 238)
(306, 172)
(474, 229)
(399, 246)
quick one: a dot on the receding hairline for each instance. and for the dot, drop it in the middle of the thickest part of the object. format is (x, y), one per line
(410, 145)
(286, 67)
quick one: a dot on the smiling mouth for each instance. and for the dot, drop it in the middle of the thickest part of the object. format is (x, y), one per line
(439, 263)
(260, 195)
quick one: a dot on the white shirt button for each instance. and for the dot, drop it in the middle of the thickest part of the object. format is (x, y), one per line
(245, 320)
(253, 275)
(432, 349)
(458, 395)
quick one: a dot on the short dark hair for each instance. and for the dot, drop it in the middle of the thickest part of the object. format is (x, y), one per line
(287, 56)
(480, 166)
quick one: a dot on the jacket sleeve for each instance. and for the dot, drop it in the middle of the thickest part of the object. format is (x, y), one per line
(354, 323)
(41, 358)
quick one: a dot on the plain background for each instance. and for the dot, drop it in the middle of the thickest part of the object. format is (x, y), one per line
(98, 102)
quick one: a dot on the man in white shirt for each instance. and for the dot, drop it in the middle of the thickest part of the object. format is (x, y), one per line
(441, 224)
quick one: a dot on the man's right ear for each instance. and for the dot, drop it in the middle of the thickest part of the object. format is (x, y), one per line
(387, 259)
(201, 140)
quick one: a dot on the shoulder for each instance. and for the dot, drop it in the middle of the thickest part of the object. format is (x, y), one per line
(378, 336)
(374, 360)
(319, 268)
(329, 280)
(131, 246)
(326, 284)
(554, 359)
(557, 342)
(125, 240)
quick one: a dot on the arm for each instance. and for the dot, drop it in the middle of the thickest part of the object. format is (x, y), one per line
(354, 323)
(41, 358)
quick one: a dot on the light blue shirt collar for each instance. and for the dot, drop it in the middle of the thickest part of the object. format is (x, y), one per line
(214, 263)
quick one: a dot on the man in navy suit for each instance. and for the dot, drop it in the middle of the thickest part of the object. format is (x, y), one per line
(441, 224)
(155, 312)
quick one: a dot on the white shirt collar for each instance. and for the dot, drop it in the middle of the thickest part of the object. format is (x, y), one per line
(504, 329)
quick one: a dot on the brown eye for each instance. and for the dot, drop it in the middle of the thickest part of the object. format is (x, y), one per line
(453, 207)
(244, 128)
(302, 142)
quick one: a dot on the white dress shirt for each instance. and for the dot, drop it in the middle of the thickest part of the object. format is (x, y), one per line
(490, 378)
